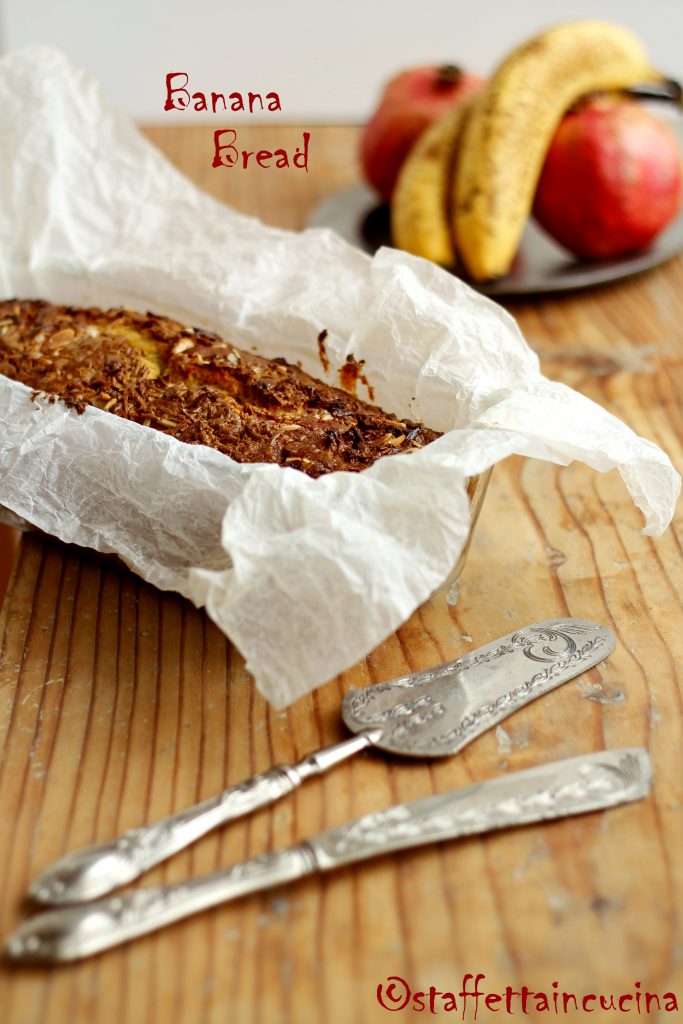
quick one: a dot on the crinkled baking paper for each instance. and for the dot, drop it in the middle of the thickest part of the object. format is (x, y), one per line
(305, 576)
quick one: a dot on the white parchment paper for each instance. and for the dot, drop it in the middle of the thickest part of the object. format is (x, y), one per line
(305, 576)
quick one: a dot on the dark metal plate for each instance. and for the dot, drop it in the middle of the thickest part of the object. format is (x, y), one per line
(540, 266)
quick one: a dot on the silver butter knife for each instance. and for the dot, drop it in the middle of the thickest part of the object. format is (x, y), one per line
(574, 786)
(433, 713)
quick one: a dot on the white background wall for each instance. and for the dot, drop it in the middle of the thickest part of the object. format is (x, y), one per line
(326, 59)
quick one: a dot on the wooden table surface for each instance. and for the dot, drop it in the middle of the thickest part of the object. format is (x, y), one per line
(120, 704)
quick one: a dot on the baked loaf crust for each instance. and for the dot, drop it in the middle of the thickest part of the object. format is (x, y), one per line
(193, 385)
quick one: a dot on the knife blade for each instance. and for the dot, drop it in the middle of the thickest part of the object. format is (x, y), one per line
(574, 786)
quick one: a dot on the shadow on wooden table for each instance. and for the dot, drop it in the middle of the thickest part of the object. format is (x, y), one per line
(9, 545)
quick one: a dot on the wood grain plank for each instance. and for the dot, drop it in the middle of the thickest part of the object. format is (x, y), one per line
(119, 703)
(9, 544)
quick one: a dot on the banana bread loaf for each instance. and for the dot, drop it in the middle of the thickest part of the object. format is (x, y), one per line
(193, 385)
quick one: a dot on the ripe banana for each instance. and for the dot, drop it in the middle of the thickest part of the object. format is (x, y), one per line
(420, 205)
(511, 125)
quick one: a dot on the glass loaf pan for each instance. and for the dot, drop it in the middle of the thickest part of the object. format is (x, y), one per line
(476, 491)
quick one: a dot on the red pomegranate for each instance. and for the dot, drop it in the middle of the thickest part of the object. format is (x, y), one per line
(611, 179)
(411, 101)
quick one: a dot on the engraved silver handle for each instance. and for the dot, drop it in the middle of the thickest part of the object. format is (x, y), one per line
(69, 933)
(575, 786)
(96, 870)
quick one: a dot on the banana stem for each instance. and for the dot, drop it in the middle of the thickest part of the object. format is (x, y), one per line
(668, 90)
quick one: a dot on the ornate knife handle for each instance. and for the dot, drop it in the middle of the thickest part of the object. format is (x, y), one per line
(69, 933)
(96, 870)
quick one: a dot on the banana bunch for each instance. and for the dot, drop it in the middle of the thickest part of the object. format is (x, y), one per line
(467, 187)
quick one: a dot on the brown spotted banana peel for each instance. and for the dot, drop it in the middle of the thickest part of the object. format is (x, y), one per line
(420, 205)
(512, 122)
